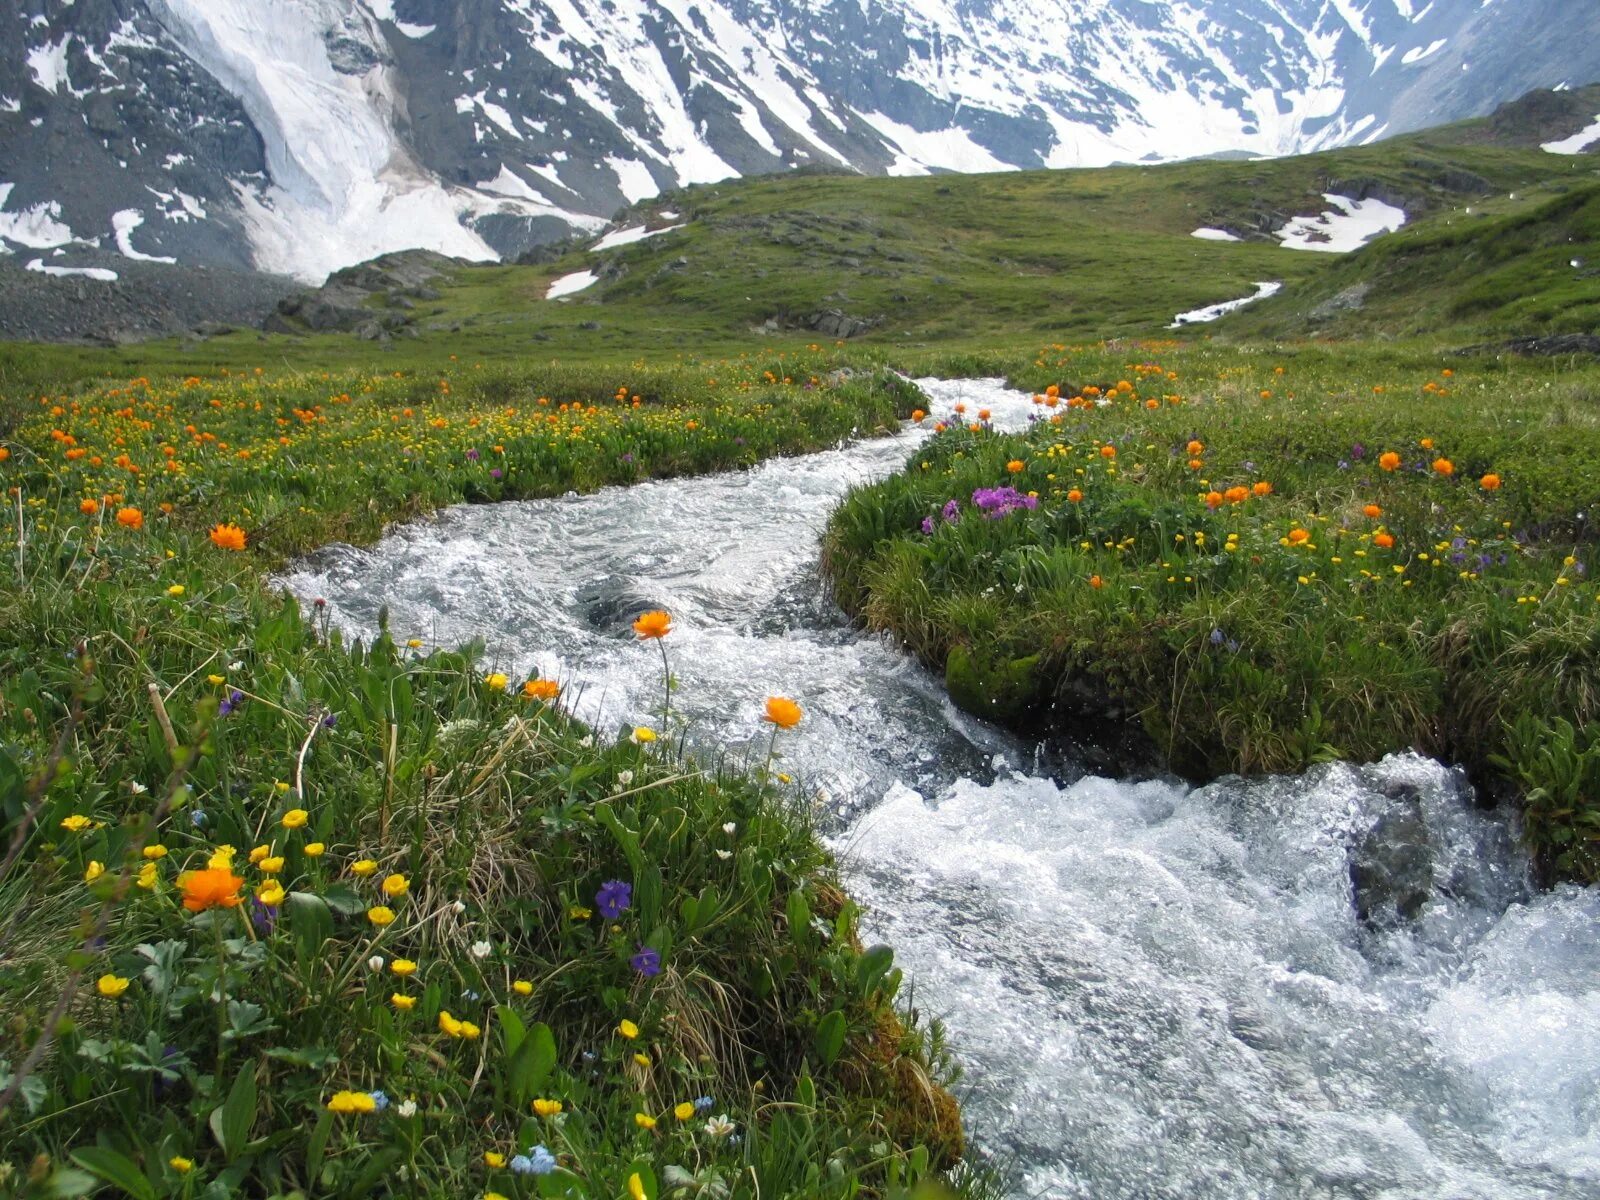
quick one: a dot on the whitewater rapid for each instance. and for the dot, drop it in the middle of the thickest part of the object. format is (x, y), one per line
(1155, 991)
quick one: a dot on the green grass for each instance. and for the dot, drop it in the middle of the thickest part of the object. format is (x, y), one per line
(1264, 633)
(159, 701)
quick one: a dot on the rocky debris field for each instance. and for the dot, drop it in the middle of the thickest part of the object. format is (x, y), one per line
(146, 300)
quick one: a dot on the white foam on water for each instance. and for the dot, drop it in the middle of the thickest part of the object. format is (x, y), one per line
(1211, 312)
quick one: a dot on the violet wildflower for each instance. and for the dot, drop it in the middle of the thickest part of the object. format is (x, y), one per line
(1218, 637)
(472, 455)
(496, 473)
(646, 961)
(951, 511)
(927, 525)
(613, 898)
(235, 698)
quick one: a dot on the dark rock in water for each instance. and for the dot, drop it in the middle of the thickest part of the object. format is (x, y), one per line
(1392, 869)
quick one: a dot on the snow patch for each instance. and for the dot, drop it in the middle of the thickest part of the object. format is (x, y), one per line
(1214, 235)
(1350, 225)
(49, 65)
(626, 237)
(951, 149)
(124, 223)
(38, 227)
(568, 284)
(1578, 142)
(634, 180)
(100, 273)
(1418, 53)
(1212, 312)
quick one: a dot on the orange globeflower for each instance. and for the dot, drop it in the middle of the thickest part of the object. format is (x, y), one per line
(1298, 536)
(1016, 466)
(782, 712)
(1444, 466)
(1386, 540)
(655, 624)
(1108, 451)
(210, 888)
(88, 507)
(1372, 510)
(130, 517)
(1262, 488)
(228, 537)
(1074, 495)
(1214, 499)
(1196, 448)
(1389, 460)
(1490, 482)
(1096, 582)
(541, 689)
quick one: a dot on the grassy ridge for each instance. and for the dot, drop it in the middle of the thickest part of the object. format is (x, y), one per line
(1221, 547)
(461, 945)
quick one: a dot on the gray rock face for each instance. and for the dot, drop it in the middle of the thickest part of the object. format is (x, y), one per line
(304, 135)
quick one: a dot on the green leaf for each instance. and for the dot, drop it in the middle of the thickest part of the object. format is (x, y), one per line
(513, 1029)
(316, 1145)
(310, 922)
(531, 1064)
(232, 1119)
(830, 1037)
(377, 1165)
(799, 913)
(118, 1170)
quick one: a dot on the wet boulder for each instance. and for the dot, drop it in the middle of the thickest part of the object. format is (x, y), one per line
(1392, 867)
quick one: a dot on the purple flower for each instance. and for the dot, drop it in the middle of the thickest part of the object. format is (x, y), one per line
(265, 919)
(738, 441)
(496, 473)
(627, 458)
(1218, 637)
(927, 525)
(235, 698)
(472, 455)
(951, 512)
(647, 962)
(998, 502)
(1358, 451)
(613, 897)
(329, 721)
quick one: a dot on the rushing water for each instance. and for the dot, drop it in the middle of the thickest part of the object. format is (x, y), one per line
(1156, 991)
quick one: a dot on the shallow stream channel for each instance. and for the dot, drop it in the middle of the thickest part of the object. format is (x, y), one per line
(1154, 990)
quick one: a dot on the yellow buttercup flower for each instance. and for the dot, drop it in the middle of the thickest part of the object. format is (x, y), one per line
(259, 853)
(636, 1188)
(271, 866)
(547, 1108)
(272, 895)
(352, 1102)
(111, 986)
(683, 1111)
(180, 1164)
(363, 867)
(403, 967)
(155, 851)
(380, 915)
(522, 987)
(628, 1029)
(221, 858)
(395, 886)
(496, 681)
(493, 1158)
(644, 1120)
(76, 823)
(93, 871)
(403, 1002)
(295, 818)
(642, 1059)
(313, 849)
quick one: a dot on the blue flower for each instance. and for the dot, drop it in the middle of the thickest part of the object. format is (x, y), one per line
(703, 1103)
(647, 962)
(537, 1161)
(380, 1100)
(613, 897)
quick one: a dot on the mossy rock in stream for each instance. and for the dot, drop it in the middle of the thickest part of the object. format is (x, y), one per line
(1007, 692)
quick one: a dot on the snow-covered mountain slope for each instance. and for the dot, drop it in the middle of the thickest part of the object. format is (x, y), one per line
(303, 135)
